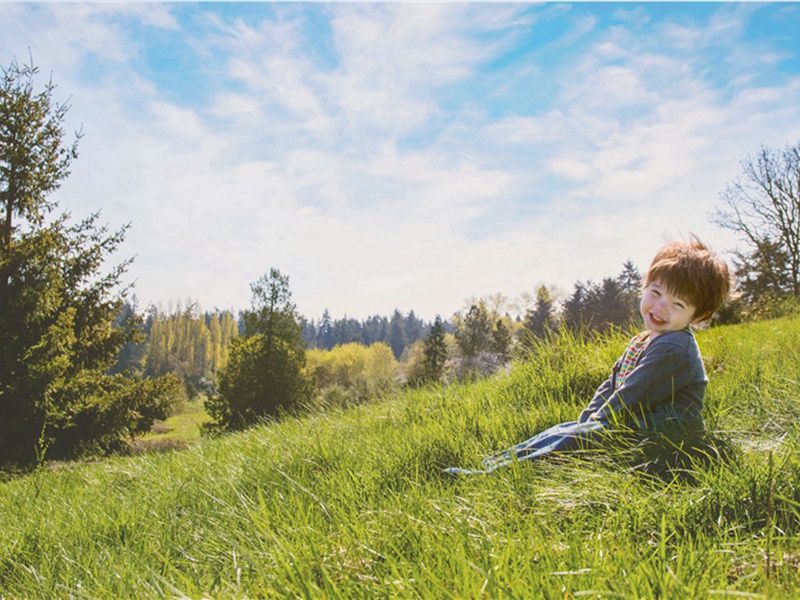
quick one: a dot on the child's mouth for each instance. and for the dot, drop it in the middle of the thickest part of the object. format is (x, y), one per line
(656, 320)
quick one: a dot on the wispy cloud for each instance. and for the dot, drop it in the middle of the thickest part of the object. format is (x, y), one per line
(406, 155)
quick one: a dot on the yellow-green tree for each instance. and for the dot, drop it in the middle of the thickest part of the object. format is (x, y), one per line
(352, 373)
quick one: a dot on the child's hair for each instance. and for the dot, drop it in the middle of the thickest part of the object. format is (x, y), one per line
(691, 271)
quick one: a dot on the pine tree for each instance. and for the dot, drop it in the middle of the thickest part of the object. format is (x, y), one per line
(435, 351)
(397, 334)
(542, 320)
(264, 373)
(57, 308)
(326, 333)
(501, 340)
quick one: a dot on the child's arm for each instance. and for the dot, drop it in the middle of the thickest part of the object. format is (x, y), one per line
(664, 369)
(599, 399)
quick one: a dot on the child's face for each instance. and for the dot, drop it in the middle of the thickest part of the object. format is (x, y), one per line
(663, 311)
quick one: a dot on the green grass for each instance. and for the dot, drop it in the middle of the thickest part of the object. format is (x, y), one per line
(353, 504)
(182, 428)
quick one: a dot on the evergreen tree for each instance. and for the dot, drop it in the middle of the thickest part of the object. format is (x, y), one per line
(397, 334)
(326, 335)
(57, 308)
(474, 333)
(435, 351)
(763, 274)
(574, 314)
(501, 340)
(414, 328)
(309, 332)
(630, 280)
(542, 319)
(131, 355)
(264, 374)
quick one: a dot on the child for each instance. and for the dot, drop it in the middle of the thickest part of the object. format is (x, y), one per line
(659, 382)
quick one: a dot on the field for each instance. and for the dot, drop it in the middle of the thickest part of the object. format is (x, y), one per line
(353, 504)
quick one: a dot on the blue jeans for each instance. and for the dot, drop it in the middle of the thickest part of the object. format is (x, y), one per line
(562, 437)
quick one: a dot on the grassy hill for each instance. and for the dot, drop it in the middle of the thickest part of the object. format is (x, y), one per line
(353, 504)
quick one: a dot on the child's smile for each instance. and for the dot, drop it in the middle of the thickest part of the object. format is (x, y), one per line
(663, 311)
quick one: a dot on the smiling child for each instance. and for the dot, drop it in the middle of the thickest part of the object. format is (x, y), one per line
(659, 382)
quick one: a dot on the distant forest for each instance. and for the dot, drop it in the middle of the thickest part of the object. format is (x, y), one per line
(398, 331)
(192, 344)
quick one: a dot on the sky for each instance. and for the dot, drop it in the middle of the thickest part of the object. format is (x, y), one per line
(409, 156)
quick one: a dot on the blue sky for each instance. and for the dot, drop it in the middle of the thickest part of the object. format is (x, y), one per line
(407, 155)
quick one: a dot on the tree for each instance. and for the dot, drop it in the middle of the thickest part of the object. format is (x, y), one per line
(607, 305)
(326, 333)
(57, 308)
(33, 158)
(264, 374)
(542, 319)
(435, 351)
(574, 313)
(397, 334)
(502, 339)
(352, 373)
(475, 343)
(131, 355)
(762, 207)
(763, 273)
(474, 332)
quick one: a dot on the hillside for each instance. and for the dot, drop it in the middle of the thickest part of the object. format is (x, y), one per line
(353, 504)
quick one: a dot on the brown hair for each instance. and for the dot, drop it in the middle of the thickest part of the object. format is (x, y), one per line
(691, 271)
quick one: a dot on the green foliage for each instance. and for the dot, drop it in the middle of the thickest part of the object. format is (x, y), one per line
(97, 414)
(400, 333)
(397, 334)
(482, 349)
(435, 350)
(187, 343)
(600, 307)
(542, 320)
(352, 504)
(56, 306)
(265, 370)
(352, 373)
(33, 159)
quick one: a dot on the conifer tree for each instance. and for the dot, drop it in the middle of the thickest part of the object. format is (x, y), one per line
(542, 319)
(397, 335)
(57, 308)
(435, 351)
(264, 374)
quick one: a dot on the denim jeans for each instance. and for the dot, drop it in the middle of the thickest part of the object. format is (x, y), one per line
(564, 436)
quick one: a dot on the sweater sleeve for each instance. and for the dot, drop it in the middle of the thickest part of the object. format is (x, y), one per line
(661, 371)
(599, 398)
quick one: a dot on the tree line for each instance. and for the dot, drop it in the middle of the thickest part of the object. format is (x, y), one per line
(81, 371)
(183, 341)
(398, 331)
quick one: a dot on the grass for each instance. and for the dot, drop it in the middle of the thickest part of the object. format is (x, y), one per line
(352, 504)
(178, 431)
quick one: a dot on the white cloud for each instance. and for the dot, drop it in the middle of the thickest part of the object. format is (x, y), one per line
(291, 161)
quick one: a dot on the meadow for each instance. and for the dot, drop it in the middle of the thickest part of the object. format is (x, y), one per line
(353, 503)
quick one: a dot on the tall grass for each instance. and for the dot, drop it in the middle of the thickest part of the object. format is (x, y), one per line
(353, 503)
